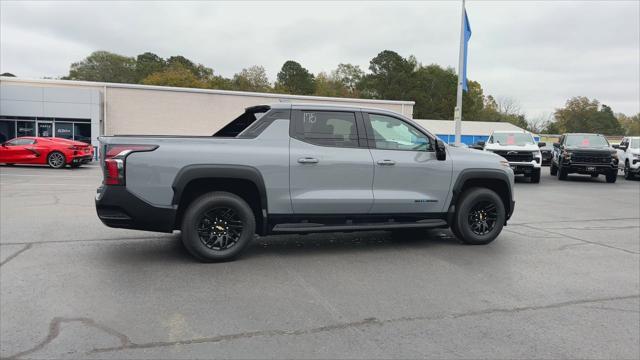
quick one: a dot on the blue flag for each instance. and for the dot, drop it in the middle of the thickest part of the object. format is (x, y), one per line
(467, 36)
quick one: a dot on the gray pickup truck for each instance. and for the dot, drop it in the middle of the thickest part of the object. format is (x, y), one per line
(297, 168)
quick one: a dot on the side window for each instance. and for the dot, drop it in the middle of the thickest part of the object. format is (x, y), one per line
(18, 142)
(390, 133)
(328, 128)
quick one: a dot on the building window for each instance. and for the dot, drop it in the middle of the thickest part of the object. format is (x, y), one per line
(64, 130)
(82, 132)
(7, 130)
(26, 128)
(45, 129)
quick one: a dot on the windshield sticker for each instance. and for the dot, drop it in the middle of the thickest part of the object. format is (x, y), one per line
(585, 142)
(511, 139)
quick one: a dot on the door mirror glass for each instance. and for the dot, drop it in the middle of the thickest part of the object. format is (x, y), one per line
(542, 144)
(441, 152)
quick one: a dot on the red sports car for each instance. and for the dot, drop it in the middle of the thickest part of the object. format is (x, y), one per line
(55, 152)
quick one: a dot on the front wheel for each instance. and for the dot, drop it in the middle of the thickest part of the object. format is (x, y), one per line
(562, 173)
(535, 176)
(480, 216)
(217, 226)
(56, 160)
(627, 171)
(612, 176)
(553, 170)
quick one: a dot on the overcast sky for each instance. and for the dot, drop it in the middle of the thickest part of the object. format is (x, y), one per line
(537, 52)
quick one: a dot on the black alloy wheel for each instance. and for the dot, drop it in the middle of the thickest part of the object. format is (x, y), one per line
(482, 217)
(219, 228)
(627, 171)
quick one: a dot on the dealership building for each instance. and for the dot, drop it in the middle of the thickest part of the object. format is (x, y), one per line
(82, 110)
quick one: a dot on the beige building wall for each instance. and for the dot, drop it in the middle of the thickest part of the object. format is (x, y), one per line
(155, 110)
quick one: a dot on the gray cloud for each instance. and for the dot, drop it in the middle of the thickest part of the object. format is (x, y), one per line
(537, 52)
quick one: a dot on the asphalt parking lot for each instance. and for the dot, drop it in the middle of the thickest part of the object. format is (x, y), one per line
(561, 281)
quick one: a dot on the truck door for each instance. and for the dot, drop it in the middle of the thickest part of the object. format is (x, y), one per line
(331, 170)
(407, 177)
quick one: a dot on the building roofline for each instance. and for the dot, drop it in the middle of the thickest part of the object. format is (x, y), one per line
(200, 91)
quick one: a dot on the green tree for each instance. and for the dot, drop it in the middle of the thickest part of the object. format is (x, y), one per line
(176, 75)
(105, 67)
(294, 79)
(330, 85)
(391, 77)
(200, 71)
(147, 64)
(350, 76)
(630, 124)
(252, 79)
(581, 114)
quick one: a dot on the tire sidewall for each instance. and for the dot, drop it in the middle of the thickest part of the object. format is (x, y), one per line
(472, 197)
(204, 203)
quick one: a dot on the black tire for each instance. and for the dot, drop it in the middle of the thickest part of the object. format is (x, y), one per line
(56, 160)
(196, 216)
(535, 176)
(628, 175)
(471, 205)
(554, 169)
(562, 173)
(612, 176)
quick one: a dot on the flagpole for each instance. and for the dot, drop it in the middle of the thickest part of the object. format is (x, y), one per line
(457, 114)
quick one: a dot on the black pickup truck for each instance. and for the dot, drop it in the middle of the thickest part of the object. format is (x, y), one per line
(589, 154)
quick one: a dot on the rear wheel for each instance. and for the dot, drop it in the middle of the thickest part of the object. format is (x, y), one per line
(480, 216)
(56, 160)
(217, 226)
(612, 176)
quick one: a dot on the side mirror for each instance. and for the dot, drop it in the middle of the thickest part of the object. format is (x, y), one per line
(622, 147)
(542, 144)
(616, 146)
(441, 152)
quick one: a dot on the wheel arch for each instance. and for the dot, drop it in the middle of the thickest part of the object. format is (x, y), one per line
(244, 181)
(493, 179)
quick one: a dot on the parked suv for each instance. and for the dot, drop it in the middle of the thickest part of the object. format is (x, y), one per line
(588, 154)
(629, 156)
(294, 168)
(520, 149)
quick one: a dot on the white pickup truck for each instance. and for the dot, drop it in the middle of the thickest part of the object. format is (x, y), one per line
(520, 149)
(629, 156)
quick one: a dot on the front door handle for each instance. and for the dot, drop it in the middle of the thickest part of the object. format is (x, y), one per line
(386, 162)
(308, 160)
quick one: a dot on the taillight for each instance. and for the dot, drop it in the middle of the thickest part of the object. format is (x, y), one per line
(115, 158)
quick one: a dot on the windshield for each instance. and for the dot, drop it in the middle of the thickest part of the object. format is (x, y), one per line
(519, 139)
(634, 144)
(588, 140)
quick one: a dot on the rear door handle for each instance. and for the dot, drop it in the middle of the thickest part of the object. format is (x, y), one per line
(308, 160)
(386, 162)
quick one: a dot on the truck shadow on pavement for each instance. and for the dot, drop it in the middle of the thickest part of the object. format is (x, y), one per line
(170, 249)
